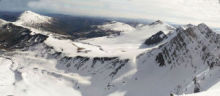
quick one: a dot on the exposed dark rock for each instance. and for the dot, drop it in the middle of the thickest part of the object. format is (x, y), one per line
(103, 59)
(197, 86)
(79, 63)
(54, 26)
(156, 22)
(156, 38)
(160, 59)
(18, 75)
(121, 64)
(192, 40)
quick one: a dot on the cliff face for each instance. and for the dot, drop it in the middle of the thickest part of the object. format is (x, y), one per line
(156, 38)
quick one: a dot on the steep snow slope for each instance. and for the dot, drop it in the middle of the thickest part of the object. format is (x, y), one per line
(211, 78)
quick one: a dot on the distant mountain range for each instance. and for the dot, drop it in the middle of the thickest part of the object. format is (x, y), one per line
(65, 24)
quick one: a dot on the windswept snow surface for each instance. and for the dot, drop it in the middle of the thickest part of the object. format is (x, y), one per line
(6, 77)
(126, 45)
(31, 80)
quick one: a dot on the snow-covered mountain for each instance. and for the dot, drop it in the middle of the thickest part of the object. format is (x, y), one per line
(116, 26)
(56, 25)
(40, 22)
(29, 18)
(149, 60)
(110, 29)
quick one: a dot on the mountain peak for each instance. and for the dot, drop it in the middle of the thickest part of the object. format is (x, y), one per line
(29, 12)
(157, 22)
(29, 18)
(203, 26)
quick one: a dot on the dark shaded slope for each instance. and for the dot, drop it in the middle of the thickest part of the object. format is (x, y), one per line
(13, 37)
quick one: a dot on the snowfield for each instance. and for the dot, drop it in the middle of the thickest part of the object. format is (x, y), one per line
(186, 63)
(6, 77)
(116, 26)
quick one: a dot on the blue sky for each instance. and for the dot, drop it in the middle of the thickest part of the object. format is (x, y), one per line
(178, 11)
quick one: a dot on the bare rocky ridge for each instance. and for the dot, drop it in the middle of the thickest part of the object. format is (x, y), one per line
(197, 39)
(193, 50)
(156, 38)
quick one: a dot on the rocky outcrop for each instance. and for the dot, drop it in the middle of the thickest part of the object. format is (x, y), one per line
(16, 37)
(156, 22)
(198, 42)
(83, 64)
(156, 38)
(86, 64)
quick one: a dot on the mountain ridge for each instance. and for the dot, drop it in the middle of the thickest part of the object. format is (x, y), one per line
(183, 63)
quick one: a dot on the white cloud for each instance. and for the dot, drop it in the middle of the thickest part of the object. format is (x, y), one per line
(180, 11)
(13, 5)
